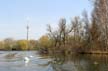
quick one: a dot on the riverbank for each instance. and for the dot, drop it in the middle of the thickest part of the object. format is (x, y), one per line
(71, 52)
(96, 52)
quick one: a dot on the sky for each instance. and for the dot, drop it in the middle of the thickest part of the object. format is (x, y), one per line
(16, 14)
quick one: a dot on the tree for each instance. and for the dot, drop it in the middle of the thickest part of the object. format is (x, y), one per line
(95, 43)
(33, 44)
(100, 15)
(21, 45)
(77, 36)
(45, 42)
(76, 28)
(1, 45)
(60, 35)
(8, 43)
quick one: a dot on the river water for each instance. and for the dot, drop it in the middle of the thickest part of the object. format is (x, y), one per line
(32, 61)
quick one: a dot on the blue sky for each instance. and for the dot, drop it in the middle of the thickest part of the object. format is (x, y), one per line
(15, 14)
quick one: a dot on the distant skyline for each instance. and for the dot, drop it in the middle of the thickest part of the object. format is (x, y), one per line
(16, 14)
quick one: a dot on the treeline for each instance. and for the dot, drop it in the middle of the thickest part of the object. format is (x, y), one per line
(11, 44)
(83, 34)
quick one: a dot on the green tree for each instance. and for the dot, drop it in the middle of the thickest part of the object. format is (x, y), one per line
(45, 42)
(21, 44)
(8, 43)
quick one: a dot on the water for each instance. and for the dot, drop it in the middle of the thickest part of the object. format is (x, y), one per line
(15, 61)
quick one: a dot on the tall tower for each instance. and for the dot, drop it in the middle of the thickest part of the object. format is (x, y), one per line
(27, 36)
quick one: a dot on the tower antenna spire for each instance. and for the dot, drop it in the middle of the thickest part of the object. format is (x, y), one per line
(27, 36)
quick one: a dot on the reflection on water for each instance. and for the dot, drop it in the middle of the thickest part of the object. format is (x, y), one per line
(15, 61)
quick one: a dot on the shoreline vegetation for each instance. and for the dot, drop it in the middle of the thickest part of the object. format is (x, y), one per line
(83, 35)
(86, 35)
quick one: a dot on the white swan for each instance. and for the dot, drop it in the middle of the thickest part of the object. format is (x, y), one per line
(30, 56)
(26, 59)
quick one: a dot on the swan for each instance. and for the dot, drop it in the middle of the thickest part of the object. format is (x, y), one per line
(26, 59)
(30, 56)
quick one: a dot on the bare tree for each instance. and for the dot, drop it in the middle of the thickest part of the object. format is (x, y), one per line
(100, 14)
(76, 28)
(59, 36)
(77, 34)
